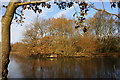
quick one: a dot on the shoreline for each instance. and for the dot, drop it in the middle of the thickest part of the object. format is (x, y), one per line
(77, 55)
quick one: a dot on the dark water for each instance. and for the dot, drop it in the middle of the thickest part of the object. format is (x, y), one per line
(64, 68)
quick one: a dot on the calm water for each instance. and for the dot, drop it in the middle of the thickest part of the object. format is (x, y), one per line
(64, 68)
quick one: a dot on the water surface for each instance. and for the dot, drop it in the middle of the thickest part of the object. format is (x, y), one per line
(64, 68)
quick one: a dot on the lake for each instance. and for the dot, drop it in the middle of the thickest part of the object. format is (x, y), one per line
(64, 68)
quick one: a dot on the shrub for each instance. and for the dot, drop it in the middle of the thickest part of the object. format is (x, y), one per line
(109, 44)
(87, 43)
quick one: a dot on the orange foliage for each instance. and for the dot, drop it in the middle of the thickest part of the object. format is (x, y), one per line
(87, 43)
(61, 38)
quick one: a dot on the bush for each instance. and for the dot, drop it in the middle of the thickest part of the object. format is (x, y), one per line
(109, 44)
(63, 45)
(20, 49)
(87, 43)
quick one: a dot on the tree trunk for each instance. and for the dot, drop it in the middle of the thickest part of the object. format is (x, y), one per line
(6, 23)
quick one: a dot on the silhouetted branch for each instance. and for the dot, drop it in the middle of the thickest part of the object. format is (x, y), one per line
(104, 11)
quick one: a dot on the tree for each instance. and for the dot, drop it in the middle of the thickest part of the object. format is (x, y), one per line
(9, 14)
(6, 23)
(62, 30)
(61, 27)
(35, 30)
(102, 24)
(58, 33)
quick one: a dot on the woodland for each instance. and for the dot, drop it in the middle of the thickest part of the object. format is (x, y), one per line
(43, 37)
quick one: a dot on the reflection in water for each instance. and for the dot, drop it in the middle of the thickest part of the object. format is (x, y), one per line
(64, 68)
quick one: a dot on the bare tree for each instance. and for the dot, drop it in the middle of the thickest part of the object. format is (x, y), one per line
(102, 24)
(35, 30)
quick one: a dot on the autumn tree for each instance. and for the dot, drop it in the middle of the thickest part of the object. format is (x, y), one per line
(11, 10)
(62, 30)
(104, 26)
(34, 31)
(61, 27)
(20, 49)
(57, 39)
(45, 45)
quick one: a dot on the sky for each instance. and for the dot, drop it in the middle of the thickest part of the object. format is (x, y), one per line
(17, 30)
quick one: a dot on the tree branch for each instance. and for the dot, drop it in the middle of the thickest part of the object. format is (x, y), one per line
(31, 2)
(105, 11)
(103, 5)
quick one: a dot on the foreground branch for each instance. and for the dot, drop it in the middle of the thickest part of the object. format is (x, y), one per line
(105, 11)
(31, 2)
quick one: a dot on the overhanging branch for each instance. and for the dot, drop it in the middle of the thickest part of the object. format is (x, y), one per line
(105, 11)
(31, 2)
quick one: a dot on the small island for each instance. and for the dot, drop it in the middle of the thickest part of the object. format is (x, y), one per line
(46, 39)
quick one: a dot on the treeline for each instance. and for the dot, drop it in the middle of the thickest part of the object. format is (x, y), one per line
(59, 36)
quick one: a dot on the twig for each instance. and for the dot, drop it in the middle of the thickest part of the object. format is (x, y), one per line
(103, 5)
(104, 11)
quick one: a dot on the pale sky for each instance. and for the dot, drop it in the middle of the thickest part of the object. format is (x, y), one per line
(0, 19)
(17, 30)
